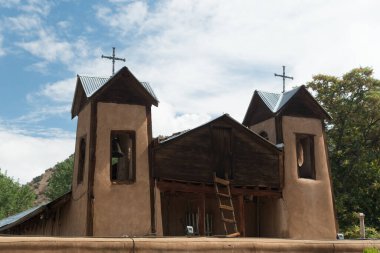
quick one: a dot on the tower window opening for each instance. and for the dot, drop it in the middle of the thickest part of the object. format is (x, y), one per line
(305, 156)
(123, 157)
(81, 162)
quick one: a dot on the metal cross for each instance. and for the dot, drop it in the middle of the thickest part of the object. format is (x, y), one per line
(283, 78)
(113, 58)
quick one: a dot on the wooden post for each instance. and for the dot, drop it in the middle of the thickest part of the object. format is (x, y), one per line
(202, 214)
(241, 215)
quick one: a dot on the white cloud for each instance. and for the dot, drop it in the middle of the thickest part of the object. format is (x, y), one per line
(48, 48)
(24, 157)
(166, 121)
(43, 113)
(24, 23)
(210, 55)
(9, 3)
(2, 51)
(61, 91)
(41, 7)
(52, 49)
(126, 15)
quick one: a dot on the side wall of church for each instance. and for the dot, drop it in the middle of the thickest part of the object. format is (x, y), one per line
(74, 214)
(268, 126)
(309, 202)
(122, 209)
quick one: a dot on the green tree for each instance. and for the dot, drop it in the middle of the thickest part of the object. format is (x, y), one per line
(14, 197)
(354, 142)
(60, 181)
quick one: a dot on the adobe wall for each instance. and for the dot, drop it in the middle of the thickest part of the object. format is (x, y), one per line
(179, 244)
(122, 209)
(73, 215)
(308, 202)
(268, 126)
(273, 217)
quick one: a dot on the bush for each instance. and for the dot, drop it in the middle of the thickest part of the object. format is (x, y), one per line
(14, 197)
(371, 250)
(60, 181)
(354, 233)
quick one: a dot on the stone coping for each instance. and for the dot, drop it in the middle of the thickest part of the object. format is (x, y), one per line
(178, 244)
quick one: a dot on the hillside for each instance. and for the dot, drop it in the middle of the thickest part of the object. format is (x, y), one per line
(59, 178)
(39, 186)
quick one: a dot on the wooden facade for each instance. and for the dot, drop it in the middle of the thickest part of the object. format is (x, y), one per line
(222, 146)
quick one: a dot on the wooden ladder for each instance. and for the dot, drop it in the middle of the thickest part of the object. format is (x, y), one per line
(226, 206)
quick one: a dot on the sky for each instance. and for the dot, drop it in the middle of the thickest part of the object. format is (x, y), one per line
(203, 58)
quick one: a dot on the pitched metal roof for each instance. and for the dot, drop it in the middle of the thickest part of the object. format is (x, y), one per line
(17, 217)
(92, 84)
(224, 116)
(276, 101)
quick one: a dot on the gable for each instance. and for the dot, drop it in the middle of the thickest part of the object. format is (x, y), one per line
(257, 111)
(191, 156)
(296, 102)
(123, 87)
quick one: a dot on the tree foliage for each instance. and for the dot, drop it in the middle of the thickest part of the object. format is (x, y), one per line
(354, 142)
(14, 197)
(60, 181)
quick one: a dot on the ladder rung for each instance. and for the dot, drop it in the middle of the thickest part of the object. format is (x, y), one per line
(228, 220)
(221, 181)
(234, 234)
(226, 207)
(223, 195)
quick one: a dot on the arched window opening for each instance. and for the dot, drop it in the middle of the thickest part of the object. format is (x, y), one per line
(264, 135)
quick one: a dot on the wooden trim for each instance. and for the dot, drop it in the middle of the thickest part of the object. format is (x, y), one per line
(202, 213)
(91, 169)
(151, 179)
(174, 186)
(241, 215)
(234, 125)
(278, 126)
(330, 178)
(281, 169)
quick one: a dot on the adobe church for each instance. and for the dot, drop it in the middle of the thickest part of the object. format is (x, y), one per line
(268, 176)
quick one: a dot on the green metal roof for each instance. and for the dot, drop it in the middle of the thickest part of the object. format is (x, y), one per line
(275, 101)
(20, 216)
(92, 84)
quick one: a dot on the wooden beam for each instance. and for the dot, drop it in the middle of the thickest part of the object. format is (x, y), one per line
(165, 186)
(202, 214)
(241, 215)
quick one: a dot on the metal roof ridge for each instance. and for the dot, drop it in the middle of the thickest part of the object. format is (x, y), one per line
(278, 102)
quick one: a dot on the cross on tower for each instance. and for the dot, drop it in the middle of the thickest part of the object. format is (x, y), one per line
(113, 58)
(283, 78)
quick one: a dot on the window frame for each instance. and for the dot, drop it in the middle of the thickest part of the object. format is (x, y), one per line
(81, 159)
(134, 145)
(311, 173)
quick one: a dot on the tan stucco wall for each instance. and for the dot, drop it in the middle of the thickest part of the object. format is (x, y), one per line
(158, 213)
(73, 215)
(309, 202)
(173, 245)
(273, 218)
(121, 209)
(268, 126)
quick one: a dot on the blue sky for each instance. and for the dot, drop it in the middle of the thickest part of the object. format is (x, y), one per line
(202, 57)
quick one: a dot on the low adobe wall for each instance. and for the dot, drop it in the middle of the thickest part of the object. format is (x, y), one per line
(178, 244)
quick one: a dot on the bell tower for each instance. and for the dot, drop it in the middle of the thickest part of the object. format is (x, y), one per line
(294, 121)
(113, 190)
